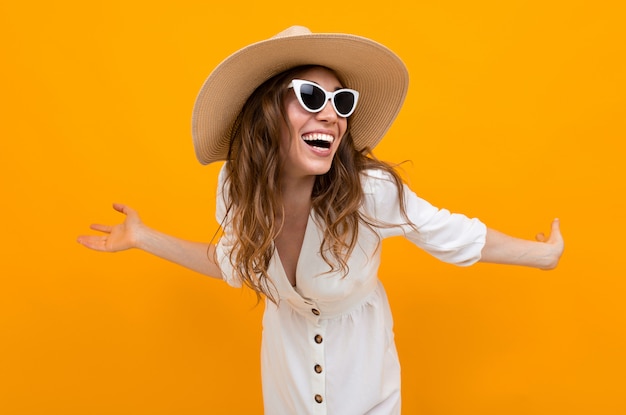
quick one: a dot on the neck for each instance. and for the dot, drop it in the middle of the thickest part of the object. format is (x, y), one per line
(296, 193)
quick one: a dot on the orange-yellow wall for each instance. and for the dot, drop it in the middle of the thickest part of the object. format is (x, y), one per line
(516, 114)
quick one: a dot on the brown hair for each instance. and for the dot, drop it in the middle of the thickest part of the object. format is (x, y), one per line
(253, 196)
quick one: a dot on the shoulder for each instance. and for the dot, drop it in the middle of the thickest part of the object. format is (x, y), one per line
(223, 175)
(222, 194)
(375, 181)
(382, 194)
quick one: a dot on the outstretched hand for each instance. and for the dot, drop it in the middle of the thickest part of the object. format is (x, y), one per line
(115, 237)
(555, 240)
(544, 253)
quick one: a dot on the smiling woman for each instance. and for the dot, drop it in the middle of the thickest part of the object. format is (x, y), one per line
(321, 131)
(304, 206)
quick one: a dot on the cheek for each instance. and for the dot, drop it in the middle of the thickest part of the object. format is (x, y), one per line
(343, 126)
(288, 132)
(285, 138)
(286, 126)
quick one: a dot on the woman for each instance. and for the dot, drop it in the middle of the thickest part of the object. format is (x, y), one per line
(304, 206)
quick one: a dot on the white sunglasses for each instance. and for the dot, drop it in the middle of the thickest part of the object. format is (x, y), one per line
(313, 97)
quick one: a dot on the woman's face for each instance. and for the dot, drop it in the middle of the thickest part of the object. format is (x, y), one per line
(310, 141)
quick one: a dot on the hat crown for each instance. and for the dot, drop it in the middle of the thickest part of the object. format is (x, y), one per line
(293, 31)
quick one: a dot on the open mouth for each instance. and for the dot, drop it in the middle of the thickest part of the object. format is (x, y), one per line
(318, 140)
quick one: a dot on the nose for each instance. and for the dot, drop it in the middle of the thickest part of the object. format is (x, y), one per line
(327, 113)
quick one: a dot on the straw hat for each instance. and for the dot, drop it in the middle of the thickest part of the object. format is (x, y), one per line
(369, 67)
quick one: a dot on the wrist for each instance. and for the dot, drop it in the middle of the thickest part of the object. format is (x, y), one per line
(141, 237)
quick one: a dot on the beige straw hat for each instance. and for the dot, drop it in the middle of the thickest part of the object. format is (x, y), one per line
(369, 67)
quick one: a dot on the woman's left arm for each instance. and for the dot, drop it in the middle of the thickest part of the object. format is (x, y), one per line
(543, 253)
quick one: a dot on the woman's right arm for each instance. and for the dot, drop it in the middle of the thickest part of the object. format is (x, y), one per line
(132, 233)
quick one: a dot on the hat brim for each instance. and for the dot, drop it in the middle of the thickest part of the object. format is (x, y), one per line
(367, 66)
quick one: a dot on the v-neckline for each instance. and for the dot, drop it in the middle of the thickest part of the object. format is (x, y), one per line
(299, 258)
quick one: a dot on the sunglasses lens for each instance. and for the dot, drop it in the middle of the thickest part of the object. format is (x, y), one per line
(344, 102)
(312, 96)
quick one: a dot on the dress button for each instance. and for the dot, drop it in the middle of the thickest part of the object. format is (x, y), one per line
(317, 368)
(318, 338)
(319, 399)
(315, 311)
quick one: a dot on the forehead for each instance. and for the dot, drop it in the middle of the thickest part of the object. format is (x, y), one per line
(320, 75)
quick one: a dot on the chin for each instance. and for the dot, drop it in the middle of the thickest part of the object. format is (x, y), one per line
(320, 170)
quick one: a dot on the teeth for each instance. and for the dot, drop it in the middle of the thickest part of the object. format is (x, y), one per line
(318, 137)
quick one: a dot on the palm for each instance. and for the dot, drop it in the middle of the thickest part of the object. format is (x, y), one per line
(115, 237)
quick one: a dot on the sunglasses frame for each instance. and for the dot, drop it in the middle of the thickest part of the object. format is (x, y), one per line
(296, 84)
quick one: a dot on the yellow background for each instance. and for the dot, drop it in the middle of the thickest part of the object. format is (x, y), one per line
(515, 114)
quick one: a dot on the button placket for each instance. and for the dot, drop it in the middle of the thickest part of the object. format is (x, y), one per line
(316, 334)
(310, 310)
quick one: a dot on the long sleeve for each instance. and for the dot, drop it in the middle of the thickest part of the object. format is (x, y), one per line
(226, 243)
(450, 237)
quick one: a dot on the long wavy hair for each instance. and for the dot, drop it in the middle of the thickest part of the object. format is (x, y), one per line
(253, 196)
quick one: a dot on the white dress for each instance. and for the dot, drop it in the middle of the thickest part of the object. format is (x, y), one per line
(328, 346)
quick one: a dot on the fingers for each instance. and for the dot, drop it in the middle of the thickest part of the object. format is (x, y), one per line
(101, 228)
(555, 233)
(131, 213)
(121, 208)
(556, 237)
(556, 226)
(116, 237)
(97, 243)
(108, 228)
